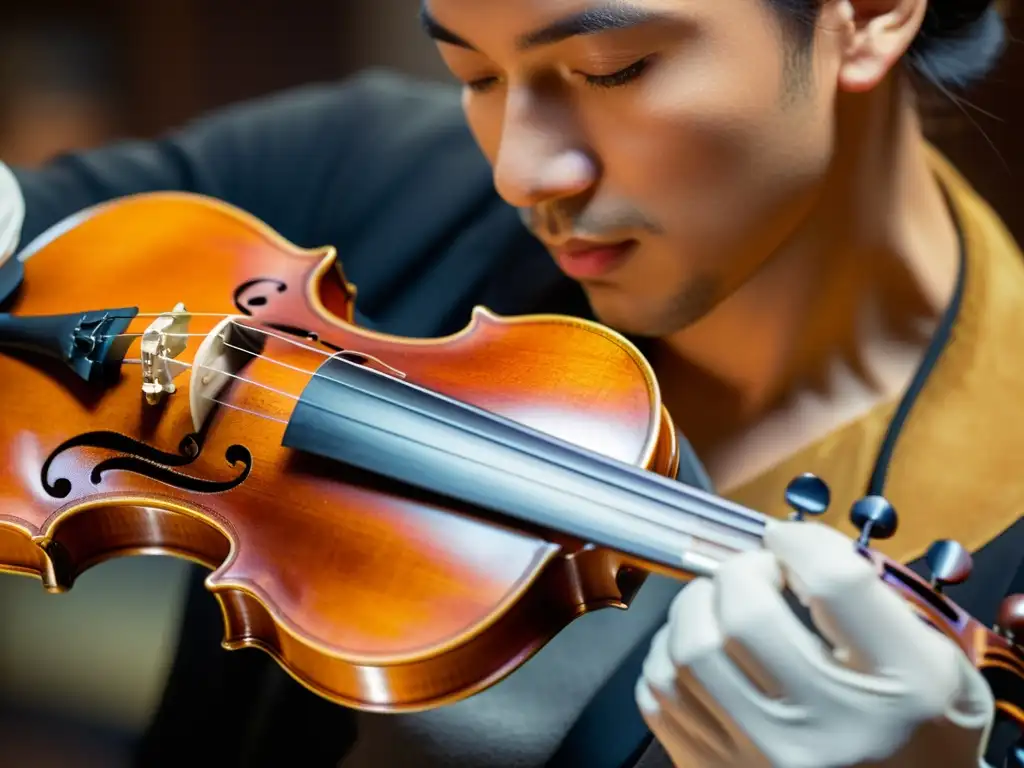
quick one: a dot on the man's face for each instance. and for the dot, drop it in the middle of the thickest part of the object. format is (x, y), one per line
(662, 149)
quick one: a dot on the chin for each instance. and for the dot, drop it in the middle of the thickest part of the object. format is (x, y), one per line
(648, 317)
(628, 320)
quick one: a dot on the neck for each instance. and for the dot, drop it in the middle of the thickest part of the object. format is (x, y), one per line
(854, 292)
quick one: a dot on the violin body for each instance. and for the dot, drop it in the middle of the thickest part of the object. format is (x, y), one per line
(398, 522)
(375, 598)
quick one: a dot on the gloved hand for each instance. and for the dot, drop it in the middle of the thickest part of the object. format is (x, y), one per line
(735, 680)
(12, 212)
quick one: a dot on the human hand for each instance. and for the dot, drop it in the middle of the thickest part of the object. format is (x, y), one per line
(12, 212)
(735, 680)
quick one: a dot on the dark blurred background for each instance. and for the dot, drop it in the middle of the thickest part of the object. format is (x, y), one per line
(81, 673)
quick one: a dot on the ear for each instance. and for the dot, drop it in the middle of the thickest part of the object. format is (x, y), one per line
(875, 35)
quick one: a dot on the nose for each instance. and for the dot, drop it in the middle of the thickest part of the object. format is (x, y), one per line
(539, 159)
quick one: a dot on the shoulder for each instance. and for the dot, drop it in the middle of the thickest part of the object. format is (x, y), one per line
(391, 146)
(379, 111)
(342, 151)
(282, 157)
(381, 166)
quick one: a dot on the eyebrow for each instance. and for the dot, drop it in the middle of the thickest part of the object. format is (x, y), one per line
(591, 21)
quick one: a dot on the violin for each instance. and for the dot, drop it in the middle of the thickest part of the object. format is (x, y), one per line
(398, 522)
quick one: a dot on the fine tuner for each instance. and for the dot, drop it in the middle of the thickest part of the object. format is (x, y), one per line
(948, 562)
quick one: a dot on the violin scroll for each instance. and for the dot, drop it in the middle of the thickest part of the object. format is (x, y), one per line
(995, 652)
(1009, 625)
(992, 651)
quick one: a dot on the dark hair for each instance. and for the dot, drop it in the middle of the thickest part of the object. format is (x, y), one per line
(959, 42)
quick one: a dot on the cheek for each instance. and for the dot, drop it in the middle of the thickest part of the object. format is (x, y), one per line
(485, 115)
(713, 141)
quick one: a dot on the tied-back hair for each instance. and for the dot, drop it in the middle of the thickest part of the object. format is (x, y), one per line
(959, 43)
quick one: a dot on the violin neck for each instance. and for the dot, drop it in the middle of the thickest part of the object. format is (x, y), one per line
(358, 416)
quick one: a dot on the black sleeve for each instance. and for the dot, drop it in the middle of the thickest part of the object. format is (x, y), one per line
(286, 158)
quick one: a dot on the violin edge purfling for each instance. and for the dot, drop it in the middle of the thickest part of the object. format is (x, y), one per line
(133, 470)
(189, 445)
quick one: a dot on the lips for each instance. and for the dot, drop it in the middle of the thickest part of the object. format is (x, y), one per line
(582, 259)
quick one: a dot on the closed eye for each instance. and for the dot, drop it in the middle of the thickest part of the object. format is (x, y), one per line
(619, 78)
(482, 84)
(615, 79)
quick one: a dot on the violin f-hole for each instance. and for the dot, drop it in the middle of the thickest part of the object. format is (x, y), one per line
(257, 294)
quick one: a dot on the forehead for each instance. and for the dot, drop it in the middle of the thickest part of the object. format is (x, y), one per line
(527, 24)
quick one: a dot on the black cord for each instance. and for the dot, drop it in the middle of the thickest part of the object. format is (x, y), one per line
(876, 485)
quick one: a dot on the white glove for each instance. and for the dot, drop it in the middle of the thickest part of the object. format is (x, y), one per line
(12, 212)
(735, 680)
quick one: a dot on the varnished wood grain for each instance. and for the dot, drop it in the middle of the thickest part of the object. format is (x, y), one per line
(372, 599)
(375, 598)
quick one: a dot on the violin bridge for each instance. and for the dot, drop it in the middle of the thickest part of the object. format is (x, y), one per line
(164, 339)
(223, 353)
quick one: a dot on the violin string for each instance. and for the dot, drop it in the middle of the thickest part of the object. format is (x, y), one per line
(246, 351)
(627, 513)
(168, 334)
(235, 376)
(137, 361)
(265, 332)
(260, 356)
(668, 523)
(749, 514)
(139, 335)
(221, 316)
(184, 313)
(246, 410)
(661, 524)
(282, 337)
(726, 508)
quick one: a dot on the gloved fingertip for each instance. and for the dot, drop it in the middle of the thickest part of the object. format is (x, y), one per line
(794, 540)
(760, 566)
(645, 700)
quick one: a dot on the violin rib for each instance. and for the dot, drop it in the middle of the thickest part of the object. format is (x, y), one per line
(376, 598)
(167, 401)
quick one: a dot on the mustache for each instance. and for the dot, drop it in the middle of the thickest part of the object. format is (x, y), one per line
(593, 225)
